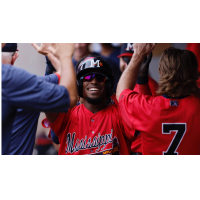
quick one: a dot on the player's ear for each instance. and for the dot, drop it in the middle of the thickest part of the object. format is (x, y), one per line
(15, 56)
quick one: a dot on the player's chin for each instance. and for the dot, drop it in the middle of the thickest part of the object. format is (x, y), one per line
(94, 100)
(94, 96)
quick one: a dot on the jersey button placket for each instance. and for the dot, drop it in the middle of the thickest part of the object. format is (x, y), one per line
(92, 126)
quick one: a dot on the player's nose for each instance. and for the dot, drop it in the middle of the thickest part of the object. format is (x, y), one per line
(94, 80)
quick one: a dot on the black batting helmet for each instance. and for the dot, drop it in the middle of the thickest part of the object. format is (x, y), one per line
(93, 63)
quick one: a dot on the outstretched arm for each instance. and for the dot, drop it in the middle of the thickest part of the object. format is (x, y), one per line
(44, 50)
(129, 77)
(60, 55)
(64, 52)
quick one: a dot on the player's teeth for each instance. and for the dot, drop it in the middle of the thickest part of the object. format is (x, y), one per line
(93, 89)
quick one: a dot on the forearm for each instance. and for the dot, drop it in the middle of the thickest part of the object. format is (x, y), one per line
(54, 62)
(68, 79)
(51, 117)
(129, 76)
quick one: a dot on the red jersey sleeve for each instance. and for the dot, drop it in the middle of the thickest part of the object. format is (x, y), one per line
(144, 89)
(132, 106)
(153, 86)
(128, 132)
(58, 124)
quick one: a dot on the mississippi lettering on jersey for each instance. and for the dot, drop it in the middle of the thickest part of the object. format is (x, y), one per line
(82, 132)
(167, 126)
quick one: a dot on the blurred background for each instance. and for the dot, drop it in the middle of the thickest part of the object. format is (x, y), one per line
(35, 63)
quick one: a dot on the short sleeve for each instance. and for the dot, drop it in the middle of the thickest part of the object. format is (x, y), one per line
(25, 90)
(134, 108)
(128, 132)
(153, 86)
(59, 124)
(52, 78)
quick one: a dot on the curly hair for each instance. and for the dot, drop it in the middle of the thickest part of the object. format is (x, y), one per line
(178, 73)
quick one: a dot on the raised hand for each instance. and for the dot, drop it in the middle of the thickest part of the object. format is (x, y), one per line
(43, 48)
(61, 50)
(143, 49)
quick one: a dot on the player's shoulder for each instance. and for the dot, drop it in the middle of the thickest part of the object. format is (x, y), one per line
(12, 74)
(75, 111)
(113, 109)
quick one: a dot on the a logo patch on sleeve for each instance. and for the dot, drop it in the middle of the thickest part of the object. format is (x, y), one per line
(173, 103)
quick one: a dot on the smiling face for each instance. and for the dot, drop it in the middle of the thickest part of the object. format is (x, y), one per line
(94, 91)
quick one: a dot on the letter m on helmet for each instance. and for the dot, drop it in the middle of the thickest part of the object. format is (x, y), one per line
(96, 64)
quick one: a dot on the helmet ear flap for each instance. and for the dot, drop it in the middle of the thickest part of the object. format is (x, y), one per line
(110, 87)
(80, 88)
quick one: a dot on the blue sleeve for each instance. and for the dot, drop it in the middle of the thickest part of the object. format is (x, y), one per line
(49, 67)
(54, 137)
(24, 90)
(52, 78)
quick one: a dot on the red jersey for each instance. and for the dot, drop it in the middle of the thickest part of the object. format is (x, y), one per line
(136, 146)
(82, 132)
(168, 126)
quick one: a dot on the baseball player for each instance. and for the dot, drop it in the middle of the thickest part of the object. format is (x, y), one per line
(21, 89)
(168, 123)
(126, 53)
(93, 127)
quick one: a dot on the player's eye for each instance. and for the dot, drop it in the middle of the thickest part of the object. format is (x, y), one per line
(88, 78)
(99, 77)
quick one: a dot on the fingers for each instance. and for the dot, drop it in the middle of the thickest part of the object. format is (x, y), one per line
(52, 50)
(153, 46)
(35, 46)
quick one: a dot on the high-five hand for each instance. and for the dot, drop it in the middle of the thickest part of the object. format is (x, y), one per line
(143, 49)
(43, 48)
(62, 50)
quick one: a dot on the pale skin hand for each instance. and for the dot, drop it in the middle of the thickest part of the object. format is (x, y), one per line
(65, 51)
(62, 50)
(44, 50)
(129, 77)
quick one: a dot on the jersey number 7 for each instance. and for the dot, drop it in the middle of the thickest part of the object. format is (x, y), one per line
(180, 129)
